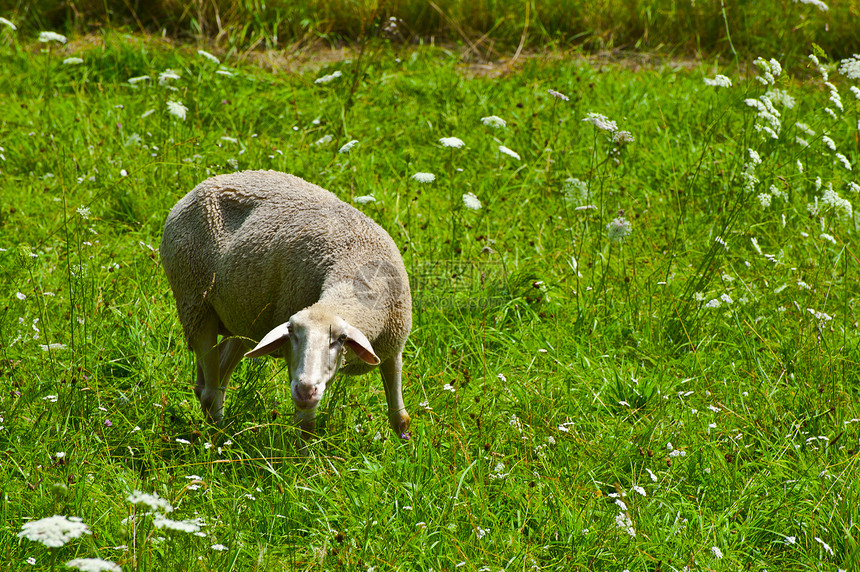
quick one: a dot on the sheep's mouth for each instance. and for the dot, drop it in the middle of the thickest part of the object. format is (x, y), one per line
(305, 404)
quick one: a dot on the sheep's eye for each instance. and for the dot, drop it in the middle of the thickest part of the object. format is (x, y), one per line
(342, 338)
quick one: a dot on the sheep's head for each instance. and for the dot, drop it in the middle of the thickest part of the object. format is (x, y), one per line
(315, 341)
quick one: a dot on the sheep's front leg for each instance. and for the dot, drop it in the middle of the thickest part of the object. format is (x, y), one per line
(208, 388)
(391, 370)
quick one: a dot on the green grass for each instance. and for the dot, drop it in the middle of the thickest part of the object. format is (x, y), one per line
(580, 367)
(486, 28)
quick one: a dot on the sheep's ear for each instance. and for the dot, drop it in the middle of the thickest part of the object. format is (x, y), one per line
(271, 341)
(357, 342)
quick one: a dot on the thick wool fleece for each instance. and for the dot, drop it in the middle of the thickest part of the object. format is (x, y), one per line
(255, 247)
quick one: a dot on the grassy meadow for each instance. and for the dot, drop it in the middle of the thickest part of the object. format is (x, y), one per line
(639, 353)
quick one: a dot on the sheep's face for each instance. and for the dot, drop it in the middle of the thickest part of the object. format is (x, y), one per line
(315, 342)
(314, 357)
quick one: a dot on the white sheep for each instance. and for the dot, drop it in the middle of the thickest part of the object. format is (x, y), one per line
(262, 255)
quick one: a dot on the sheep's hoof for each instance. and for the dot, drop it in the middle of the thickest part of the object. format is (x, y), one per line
(212, 404)
(400, 423)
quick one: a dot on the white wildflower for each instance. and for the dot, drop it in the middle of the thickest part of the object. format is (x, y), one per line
(600, 121)
(829, 142)
(821, 69)
(471, 201)
(8, 24)
(719, 81)
(348, 146)
(559, 95)
(72, 61)
(824, 545)
(424, 177)
(575, 190)
(138, 79)
(827, 237)
(834, 96)
(219, 547)
(640, 490)
(328, 78)
(21, 296)
(844, 160)
(717, 552)
(509, 152)
(820, 316)
(363, 200)
(715, 303)
(209, 56)
(755, 159)
(726, 298)
(152, 501)
(454, 142)
(832, 198)
(755, 245)
(850, 67)
(805, 128)
(855, 188)
(176, 109)
(817, 3)
(93, 565)
(618, 229)
(764, 199)
(190, 525)
(856, 91)
(652, 475)
(622, 520)
(448, 387)
(54, 531)
(324, 140)
(166, 76)
(802, 142)
(722, 241)
(622, 137)
(493, 121)
(831, 113)
(799, 167)
(782, 97)
(46, 37)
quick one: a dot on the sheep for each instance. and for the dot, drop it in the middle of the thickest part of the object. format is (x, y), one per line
(263, 255)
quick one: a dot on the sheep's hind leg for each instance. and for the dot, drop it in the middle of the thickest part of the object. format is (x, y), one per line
(391, 370)
(208, 388)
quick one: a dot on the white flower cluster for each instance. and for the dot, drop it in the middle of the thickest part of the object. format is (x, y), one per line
(768, 113)
(575, 190)
(770, 70)
(817, 3)
(471, 201)
(600, 121)
(93, 565)
(718, 81)
(821, 69)
(850, 67)
(749, 175)
(831, 198)
(493, 121)
(781, 97)
(54, 531)
(618, 229)
(454, 142)
(328, 78)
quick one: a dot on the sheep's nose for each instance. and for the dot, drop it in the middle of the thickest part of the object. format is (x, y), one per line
(306, 396)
